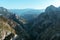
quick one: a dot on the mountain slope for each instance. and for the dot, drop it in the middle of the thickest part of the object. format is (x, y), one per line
(5, 28)
(47, 25)
(10, 23)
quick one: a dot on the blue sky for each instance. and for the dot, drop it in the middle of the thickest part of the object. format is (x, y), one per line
(32, 4)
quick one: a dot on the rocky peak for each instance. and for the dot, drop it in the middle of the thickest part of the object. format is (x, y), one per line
(46, 23)
(3, 9)
(50, 8)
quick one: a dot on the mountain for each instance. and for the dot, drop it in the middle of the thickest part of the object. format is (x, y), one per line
(50, 8)
(5, 28)
(11, 25)
(28, 14)
(26, 11)
(47, 25)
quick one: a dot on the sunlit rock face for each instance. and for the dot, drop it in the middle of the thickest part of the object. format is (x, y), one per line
(5, 28)
(10, 25)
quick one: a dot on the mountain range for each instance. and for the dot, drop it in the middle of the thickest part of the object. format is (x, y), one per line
(28, 14)
(45, 26)
(26, 11)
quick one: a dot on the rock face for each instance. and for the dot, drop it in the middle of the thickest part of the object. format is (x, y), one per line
(13, 27)
(47, 25)
(5, 28)
(50, 8)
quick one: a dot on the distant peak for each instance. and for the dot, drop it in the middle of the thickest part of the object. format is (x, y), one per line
(3, 9)
(50, 8)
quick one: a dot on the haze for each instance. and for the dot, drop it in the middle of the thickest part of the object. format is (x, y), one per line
(32, 4)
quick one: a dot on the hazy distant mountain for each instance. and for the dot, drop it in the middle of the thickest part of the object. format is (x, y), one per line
(28, 14)
(26, 11)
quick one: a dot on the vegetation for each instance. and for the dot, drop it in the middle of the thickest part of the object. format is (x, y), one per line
(5, 28)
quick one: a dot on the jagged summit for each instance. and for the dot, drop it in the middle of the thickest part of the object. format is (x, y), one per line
(47, 24)
(50, 8)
